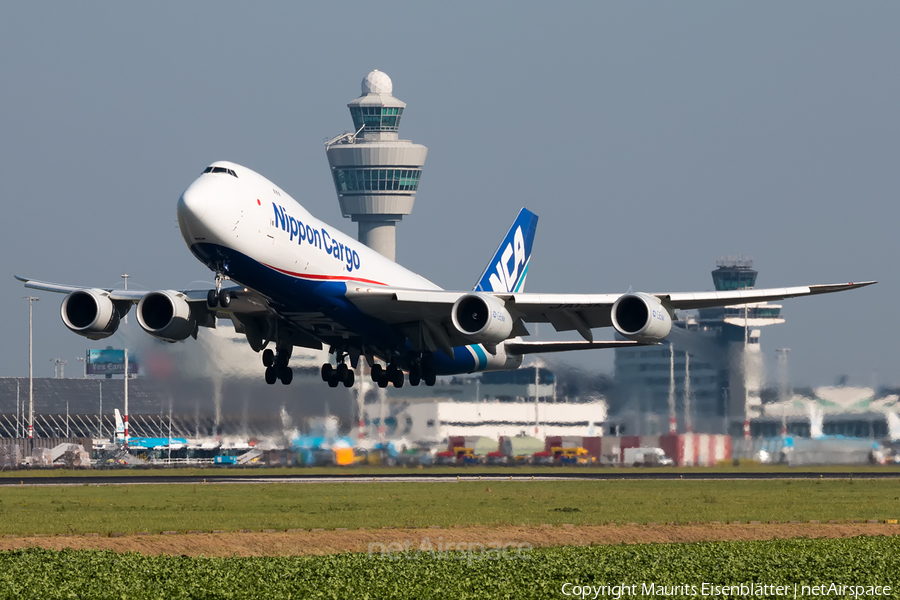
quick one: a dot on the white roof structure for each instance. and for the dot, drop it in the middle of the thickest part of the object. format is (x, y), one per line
(438, 421)
(377, 82)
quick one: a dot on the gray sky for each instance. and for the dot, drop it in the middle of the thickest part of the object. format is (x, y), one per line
(651, 138)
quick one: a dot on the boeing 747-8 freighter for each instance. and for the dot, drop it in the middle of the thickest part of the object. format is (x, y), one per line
(287, 279)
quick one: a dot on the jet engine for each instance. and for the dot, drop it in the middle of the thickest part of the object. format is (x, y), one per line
(641, 317)
(166, 315)
(482, 318)
(90, 313)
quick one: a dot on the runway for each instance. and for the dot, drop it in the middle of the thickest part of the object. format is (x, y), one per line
(221, 478)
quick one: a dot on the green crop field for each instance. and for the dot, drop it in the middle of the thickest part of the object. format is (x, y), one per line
(26, 510)
(867, 565)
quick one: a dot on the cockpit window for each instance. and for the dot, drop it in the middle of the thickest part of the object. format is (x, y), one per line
(220, 170)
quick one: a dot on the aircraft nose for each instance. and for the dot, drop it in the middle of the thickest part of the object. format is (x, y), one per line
(192, 204)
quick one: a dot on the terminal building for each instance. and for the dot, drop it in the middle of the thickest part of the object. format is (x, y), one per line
(708, 374)
(494, 404)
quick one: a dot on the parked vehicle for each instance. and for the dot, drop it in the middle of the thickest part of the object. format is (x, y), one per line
(646, 457)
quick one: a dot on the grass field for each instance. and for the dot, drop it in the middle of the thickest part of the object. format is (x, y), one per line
(654, 571)
(26, 510)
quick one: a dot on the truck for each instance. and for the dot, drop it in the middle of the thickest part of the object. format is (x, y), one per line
(572, 456)
(646, 457)
(458, 456)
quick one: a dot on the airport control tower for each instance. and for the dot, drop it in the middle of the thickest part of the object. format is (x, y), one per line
(738, 333)
(376, 174)
(717, 352)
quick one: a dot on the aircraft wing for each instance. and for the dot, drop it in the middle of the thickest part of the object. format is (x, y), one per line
(691, 300)
(566, 312)
(115, 295)
(250, 311)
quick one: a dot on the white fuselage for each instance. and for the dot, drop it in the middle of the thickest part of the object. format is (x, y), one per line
(243, 225)
(251, 215)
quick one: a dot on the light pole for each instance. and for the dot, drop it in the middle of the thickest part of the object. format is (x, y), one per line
(31, 301)
(688, 421)
(59, 371)
(673, 423)
(125, 277)
(126, 397)
(785, 385)
(83, 362)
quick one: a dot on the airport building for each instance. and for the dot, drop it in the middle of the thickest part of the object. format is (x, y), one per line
(376, 174)
(436, 422)
(492, 404)
(846, 411)
(707, 375)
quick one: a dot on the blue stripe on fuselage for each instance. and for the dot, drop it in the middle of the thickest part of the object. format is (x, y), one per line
(297, 294)
(482, 357)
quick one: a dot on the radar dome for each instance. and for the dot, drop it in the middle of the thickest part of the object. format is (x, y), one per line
(377, 82)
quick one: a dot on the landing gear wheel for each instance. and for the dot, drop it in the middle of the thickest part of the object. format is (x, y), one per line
(333, 380)
(268, 357)
(349, 379)
(212, 299)
(397, 378)
(383, 380)
(286, 375)
(271, 375)
(224, 298)
(327, 371)
(415, 375)
(427, 367)
(377, 370)
(341, 372)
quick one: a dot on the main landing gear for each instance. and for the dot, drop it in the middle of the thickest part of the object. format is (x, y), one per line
(334, 376)
(422, 369)
(276, 367)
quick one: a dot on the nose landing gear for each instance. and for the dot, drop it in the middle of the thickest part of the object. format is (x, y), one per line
(218, 296)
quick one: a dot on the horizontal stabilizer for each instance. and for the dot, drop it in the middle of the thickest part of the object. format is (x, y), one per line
(542, 347)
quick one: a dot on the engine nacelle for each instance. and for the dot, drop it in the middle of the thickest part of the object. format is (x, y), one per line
(641, 317)
(482, 318)
(166, 315)
(90, 313)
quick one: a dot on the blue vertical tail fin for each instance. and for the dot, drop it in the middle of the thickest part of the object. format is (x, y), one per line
(507, 269)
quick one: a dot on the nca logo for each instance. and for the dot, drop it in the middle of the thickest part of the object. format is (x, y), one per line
(506, 276)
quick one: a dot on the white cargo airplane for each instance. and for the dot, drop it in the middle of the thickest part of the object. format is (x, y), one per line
(303, 283)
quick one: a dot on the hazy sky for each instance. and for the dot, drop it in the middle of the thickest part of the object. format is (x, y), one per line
(651, 138)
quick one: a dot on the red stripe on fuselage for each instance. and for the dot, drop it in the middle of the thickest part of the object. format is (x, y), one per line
(325, 277)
